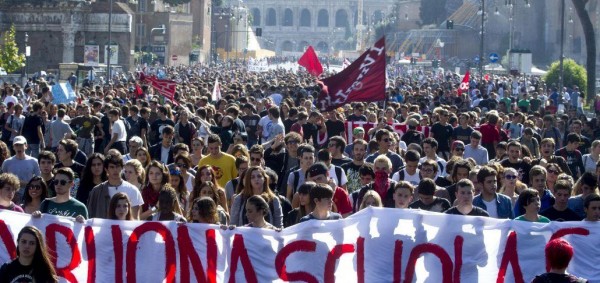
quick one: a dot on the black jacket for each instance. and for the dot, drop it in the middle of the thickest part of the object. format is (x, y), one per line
(155, 152)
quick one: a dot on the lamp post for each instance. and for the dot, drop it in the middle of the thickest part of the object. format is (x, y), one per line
(108, 50)
(481, 41)
(562, 47)
(27, 53)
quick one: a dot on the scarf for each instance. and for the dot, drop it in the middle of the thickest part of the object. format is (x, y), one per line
(381, 183)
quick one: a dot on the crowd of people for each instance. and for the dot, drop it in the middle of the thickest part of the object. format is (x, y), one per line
(264, 156)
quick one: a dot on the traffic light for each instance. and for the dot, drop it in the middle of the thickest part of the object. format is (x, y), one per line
(449, 24)
(258, 31)
(435, 63)
(413, 60)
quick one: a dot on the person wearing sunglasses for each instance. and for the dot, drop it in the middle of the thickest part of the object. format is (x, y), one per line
(63, 204)
(384, 140)
(458, 149)
(35, 192)
(184, 163)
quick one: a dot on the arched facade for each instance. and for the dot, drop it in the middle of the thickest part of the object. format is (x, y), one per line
(323, 18)
(305, 18)
(341, 18)
(287, 46)
(302, 46)
(256, 20)
(325, 25)
(322, 47)
(271, 17)
(288, 18)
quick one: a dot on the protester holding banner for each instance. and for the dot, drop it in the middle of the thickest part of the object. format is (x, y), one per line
(321, 198)
(33, 263)
(63, 204)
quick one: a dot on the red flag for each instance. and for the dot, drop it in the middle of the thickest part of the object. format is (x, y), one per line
(310, 61)
(165, 87)
(363, 80)
(464, 86)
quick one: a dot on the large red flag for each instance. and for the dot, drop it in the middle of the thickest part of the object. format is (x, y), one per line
(165, 87)
(363, 80)
(310, 61)
(464, 85)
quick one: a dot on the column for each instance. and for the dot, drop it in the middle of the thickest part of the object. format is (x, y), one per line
(68, 35)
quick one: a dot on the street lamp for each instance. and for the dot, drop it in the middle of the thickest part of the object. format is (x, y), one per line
(481, 42)
(27, 52)
(108, 50)
(562, 47)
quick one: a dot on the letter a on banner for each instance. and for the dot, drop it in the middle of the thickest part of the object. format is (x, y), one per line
(363, 80)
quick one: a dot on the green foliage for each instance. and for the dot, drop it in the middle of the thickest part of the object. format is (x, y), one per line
(574, 74)
(432, 12)
(10, 59)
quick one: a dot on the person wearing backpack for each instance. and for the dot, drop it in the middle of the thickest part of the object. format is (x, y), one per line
(335, 172)
(515, 128)
(306, 155)
(410, 172)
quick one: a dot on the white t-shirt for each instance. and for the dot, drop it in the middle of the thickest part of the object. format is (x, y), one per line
(130, 190)
(118, 127)
(164, 154)
(334, 176)
(414, 179)
(492, 208)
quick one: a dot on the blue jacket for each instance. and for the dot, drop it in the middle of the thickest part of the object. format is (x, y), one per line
(546, 201)
(503, 205)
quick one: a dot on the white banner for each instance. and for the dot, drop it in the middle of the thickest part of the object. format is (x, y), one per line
(375, 245)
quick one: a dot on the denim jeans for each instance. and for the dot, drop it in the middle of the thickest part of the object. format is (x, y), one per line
(86, 145)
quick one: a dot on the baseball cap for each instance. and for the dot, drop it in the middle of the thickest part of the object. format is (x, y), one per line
(358, 130)
(19, 140)
(458, 144)
(317, 169)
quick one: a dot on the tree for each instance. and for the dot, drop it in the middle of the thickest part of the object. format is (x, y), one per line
(574, 74)
(10, 59)
(590, 45)
(432, 12)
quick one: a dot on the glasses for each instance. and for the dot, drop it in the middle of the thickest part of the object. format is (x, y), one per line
(555, 172)
(35, 187)
(427, 170)
(61, 182)
(291, 142)
(181, 165)
(510, 177)
(459, 149)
